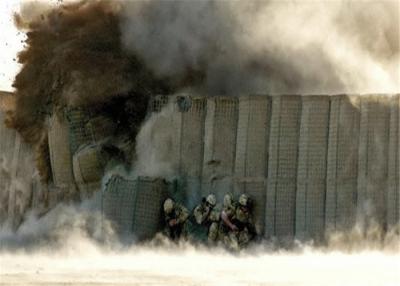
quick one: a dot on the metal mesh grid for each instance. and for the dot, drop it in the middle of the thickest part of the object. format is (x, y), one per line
(88, 164)
(346, 204)
(311, 172)
(282, 165)
(7, 142)
(78, 134)
(134, 206)
(192, 137)
(87, 128)
(157, 102)
(219, 187)
(342, 160)
(60, 154)
(393, 196)
(252, 136)
(220, 132)
(148, 207)
(255, 189)
(373, 157)
(118, 202)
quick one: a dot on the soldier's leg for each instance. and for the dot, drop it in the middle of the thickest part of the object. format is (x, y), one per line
(243, 238)
(232, 240)
(167, 232)
(213, 232)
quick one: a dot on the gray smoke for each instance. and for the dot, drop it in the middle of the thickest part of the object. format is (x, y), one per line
(59, 227)
(233, 47)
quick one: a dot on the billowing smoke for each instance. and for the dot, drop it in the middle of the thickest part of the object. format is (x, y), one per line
(74, 57)
(112, 55)
(234, 47)
(85, 53)
(58, 227)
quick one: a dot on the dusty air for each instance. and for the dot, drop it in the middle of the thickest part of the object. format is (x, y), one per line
(199, 142)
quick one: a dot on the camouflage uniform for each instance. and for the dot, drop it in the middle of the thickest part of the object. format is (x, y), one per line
(207, 214)
(241, 218)
(229, 210)
(175, 218)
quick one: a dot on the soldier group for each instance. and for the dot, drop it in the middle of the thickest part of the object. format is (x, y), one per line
(232, 225)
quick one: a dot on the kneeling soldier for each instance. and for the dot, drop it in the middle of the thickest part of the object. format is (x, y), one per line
(207, 215)
(175, 217)
(240, 225)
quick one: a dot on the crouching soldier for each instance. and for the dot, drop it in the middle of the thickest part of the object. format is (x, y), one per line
(226, 227)
(175, 218)
(239, 224)
(206, 214)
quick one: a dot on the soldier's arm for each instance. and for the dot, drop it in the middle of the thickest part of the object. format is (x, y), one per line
(227, 221)
(198, 215)
(184, 214)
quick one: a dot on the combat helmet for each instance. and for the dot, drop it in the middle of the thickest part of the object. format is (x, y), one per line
(211, 199)
(228, 200)
(243, 200)
(168, 206)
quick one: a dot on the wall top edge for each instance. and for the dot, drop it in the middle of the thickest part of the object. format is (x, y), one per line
(260, 95)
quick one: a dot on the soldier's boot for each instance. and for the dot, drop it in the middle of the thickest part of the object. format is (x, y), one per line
(243, 238)
(232, 241)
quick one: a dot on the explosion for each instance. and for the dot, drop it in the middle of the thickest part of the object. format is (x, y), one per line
(88, 53)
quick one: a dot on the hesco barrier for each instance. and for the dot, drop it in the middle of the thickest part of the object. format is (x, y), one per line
(256, 190)
(393, 195)
(373, 158)
(253, 137)
(311, 167)
(193, 110)
(157, 102)
(7, 143)
(282, 166)
(78, 135)
(191, 151)
(60, 153)
(310, 163)
(135, 206)
(342, 163)
(88, 164)
(219, 145)
(86, 128)
(18, 177)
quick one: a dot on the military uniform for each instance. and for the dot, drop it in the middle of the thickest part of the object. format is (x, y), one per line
(175, 216)
(244, 230)
(208, 215)
(229, 210)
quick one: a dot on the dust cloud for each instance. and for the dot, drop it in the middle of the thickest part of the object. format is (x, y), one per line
(91, 53)
(150, 267)
(84, 53)
(72, 244)
(299, 47)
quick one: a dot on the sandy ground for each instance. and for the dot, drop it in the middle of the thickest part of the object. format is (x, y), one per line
(193, 267)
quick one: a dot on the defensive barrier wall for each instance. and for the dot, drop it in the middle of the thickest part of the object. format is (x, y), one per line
(19, 180)
(312, 164)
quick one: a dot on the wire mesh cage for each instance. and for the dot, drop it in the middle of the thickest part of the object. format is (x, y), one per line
(134, 206)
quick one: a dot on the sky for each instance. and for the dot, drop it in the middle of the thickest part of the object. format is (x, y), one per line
(11, 41)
